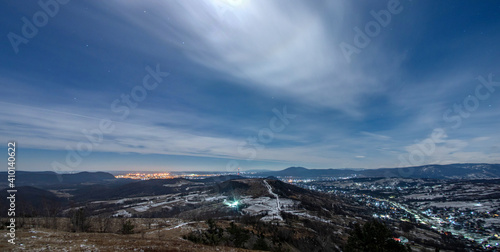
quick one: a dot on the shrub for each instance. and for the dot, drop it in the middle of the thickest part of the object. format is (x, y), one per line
(127, 227)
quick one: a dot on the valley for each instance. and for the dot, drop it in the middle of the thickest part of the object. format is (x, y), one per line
(282, 213)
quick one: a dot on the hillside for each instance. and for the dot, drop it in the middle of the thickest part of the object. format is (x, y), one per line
(48, 178)
(31, 201)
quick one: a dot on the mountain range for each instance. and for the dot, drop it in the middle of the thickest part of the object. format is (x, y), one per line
(450, 171)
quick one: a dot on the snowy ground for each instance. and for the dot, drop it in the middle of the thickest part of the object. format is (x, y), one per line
(144, 204)
(270, 206)
(122, 213)
(478, 206)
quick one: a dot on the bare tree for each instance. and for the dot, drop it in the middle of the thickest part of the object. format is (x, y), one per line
(103, 223)
(79, 220)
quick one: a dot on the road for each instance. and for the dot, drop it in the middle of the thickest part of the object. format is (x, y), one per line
(278, 204)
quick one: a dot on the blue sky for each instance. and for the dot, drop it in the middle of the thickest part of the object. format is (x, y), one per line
(409, 96)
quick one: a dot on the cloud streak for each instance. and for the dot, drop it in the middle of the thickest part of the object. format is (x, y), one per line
(232, 62)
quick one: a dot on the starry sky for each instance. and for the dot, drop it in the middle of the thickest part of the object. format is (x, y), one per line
(220, 84)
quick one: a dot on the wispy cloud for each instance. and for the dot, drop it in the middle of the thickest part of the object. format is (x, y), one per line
(289, 52)
(376, 136)
(232, 62)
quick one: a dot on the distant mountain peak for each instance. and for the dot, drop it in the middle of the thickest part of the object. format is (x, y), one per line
(296, 169)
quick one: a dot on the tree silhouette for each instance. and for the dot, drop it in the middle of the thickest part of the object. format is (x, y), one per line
(374, 236)
(79, 220)
(237, 235)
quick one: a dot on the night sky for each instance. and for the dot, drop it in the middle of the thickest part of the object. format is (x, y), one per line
(216, 85)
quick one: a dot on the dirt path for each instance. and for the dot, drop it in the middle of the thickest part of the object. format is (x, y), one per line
(278, 204)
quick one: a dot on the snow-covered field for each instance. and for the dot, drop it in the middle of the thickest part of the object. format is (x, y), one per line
(270, 206)
(266, 205)
(144, 204)
(122, 213)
